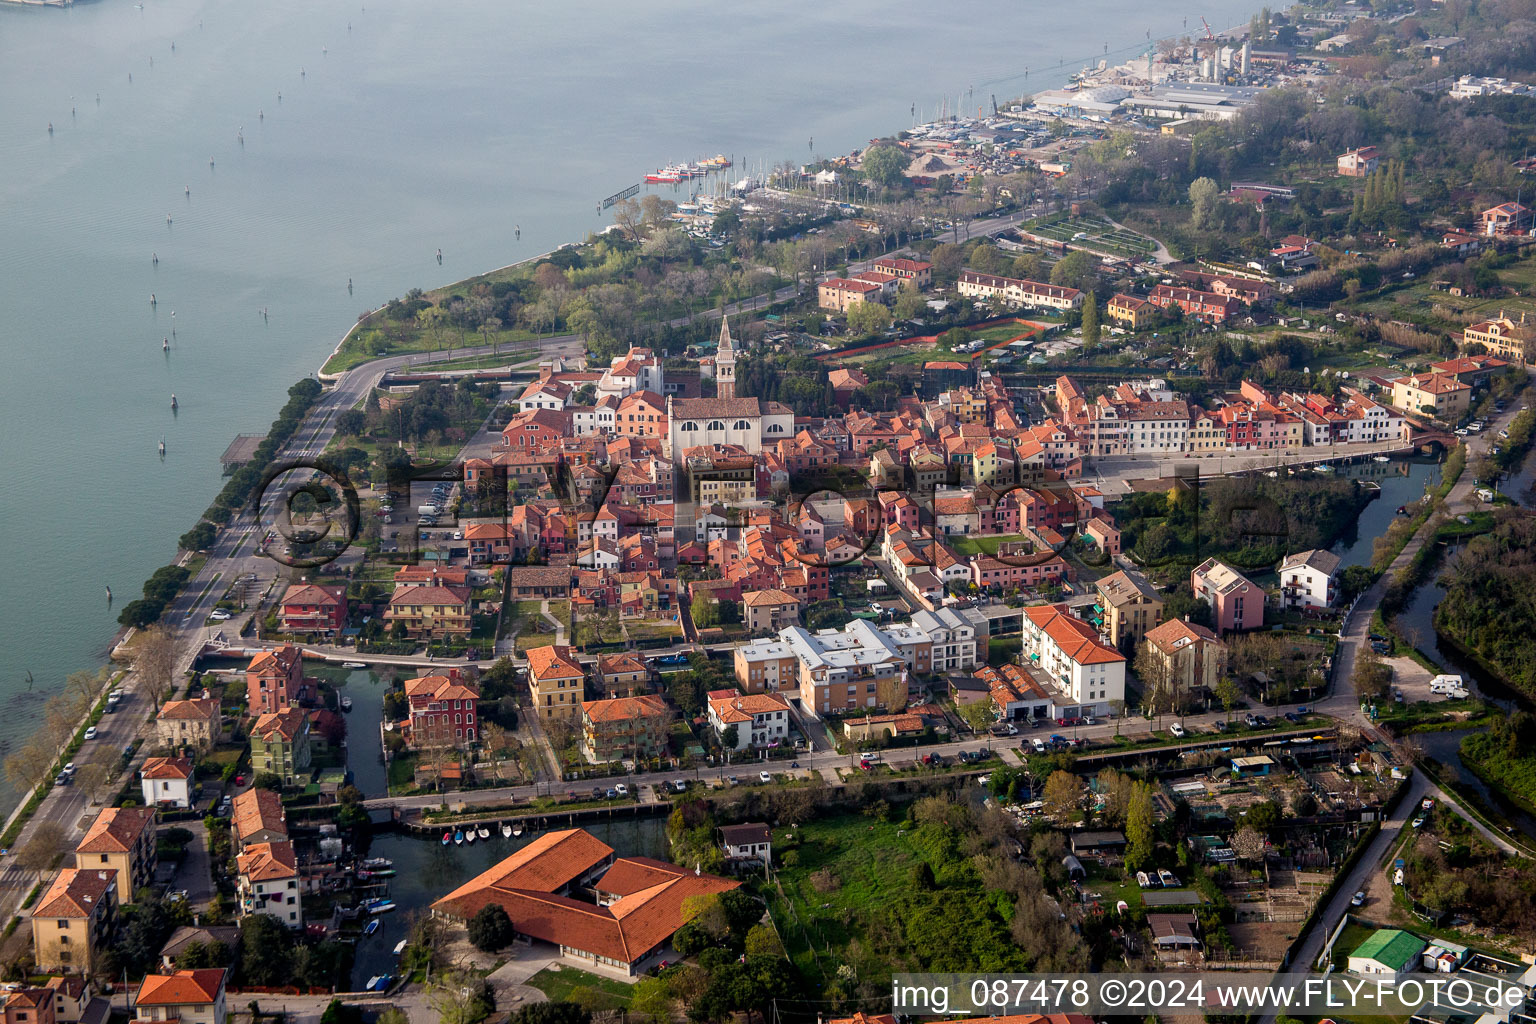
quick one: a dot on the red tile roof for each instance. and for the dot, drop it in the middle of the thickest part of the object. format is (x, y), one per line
(182, 988)
(117, 829)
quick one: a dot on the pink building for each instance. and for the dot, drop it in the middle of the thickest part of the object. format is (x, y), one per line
(1237, 604)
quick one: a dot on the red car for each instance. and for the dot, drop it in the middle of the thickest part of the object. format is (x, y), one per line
(239, 780)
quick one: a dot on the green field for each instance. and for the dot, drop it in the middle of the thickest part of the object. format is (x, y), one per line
(1102, 235)
(965, 546)
(592, 992)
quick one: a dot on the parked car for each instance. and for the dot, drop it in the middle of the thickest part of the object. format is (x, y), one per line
(1260, 721)
(1358, 899)
(621, 789)
(1220, 725)
(1250, 720)
(764, 777)
(1038, 744)
(1177, 730)
(733, 780)
(597, 792)
(679, 785)
(1293, 718)
(239, 780)
(611, 794)
(90, 732)
(1418, 822)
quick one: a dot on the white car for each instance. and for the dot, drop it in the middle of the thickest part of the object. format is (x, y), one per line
(621, 789)
(1177, 730)
(219, 615)
(764, 777)
(90, 732)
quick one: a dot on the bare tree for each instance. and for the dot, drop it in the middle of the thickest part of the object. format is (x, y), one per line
(28, 768)
(46, 842)
(155, 660)
(1248, 843)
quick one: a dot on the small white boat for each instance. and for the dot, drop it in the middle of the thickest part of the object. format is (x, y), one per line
(506, 830)
(517, 829)
(346, 703)
(1380, 458)
(354, 664)
(469, 835)
(382, 907)
(400, 946)
(372, 926)
(485, 833)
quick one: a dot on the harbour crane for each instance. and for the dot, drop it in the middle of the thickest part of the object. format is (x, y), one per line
(1209, 35)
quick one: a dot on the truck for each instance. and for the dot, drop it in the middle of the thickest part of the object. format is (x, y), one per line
(427, 510)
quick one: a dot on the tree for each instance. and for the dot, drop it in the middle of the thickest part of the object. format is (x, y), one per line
(1228, 693)
(909, 304)
(705, 610)
(199, 538)
(1090, 321)
(1140, 831)
(491, 929)
(1063, 795)
(43, 846)
(550, 1013)
(865, 318)
(1248, 843)
(1075, 270)
(762, 940)
(884, 165)
(1156, 682)
(155, 659)
(198, 955)
(459, 997)
(1371, 677)
(891, 692)
(30, 766)
(977, 715)
(1202, 197)
(266, 951)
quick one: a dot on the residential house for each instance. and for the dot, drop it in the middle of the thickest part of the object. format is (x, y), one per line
(1432, 394)
(876, 727)
(188, 935)
(1104, 534)
(916, 274)
(1473, 370)
(275, 679)
(186, 997)
(167, 781)
(765, 665)
(1236, 604)
(750, 842)
(430, 610)
(843, 671)
(1207, 306)
(566, 889)
(839, 294)
(312, 608)
(1503, 337)
(556, 681)
(760, 719)
(956, 644)
(1016, 292)
(1192, 657)
(280, 745)
(1357, 163)
(621, 675)
(258, 817)
(1131, 312)
(625, 728)
(1506, 219)
(769, 610)
(444, 710)
(122, 840)
(1309, 579)
(1388, 951)
(74, 919)
(189, 724)
(268, 883)
(27, 1005)
(71, 998)
(1129, 606)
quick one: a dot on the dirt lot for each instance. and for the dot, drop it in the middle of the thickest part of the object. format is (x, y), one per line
(1263, 940)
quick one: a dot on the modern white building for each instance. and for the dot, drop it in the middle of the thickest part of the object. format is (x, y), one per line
(952, 638)
(1309, 579)
(1087, 673)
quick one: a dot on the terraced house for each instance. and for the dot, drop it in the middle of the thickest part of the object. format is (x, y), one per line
(268, 883)
(1016, 292)
(121, 840)
(625, 728)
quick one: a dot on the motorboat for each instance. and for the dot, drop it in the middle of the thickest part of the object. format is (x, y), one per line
(400, 946)
(517, 829)
(382, 907)
(354, 664)
(346, 703)
(484, 832)
(447, 838)
(458, 838)
(506, 830)
(372, 926)
(1380, 458)
(469, 835)
(375, 863)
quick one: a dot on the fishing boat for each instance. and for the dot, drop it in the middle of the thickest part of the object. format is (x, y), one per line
(382, 907)
(506, 830)
(458, 837)
(375, 863)
(372, 926)
(664, 176)
(400, 946)
(717, 162)
(447, 838)
(485, 833)
(354, 664)
(346, 703)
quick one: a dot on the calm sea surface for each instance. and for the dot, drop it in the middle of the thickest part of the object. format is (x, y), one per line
(374, 134)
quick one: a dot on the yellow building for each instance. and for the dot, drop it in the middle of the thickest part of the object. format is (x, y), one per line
(1131, 312)
(1129, 606)
(556, 680)
(430, 610)
(122, 840)
(1206, 433)
(1432, 394)
(74, 920)
(1504, 337)
(839, 294)
(625, 727)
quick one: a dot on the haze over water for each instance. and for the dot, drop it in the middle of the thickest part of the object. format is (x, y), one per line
(419, 127)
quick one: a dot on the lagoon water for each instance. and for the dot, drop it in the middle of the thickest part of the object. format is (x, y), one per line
(401, 128)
